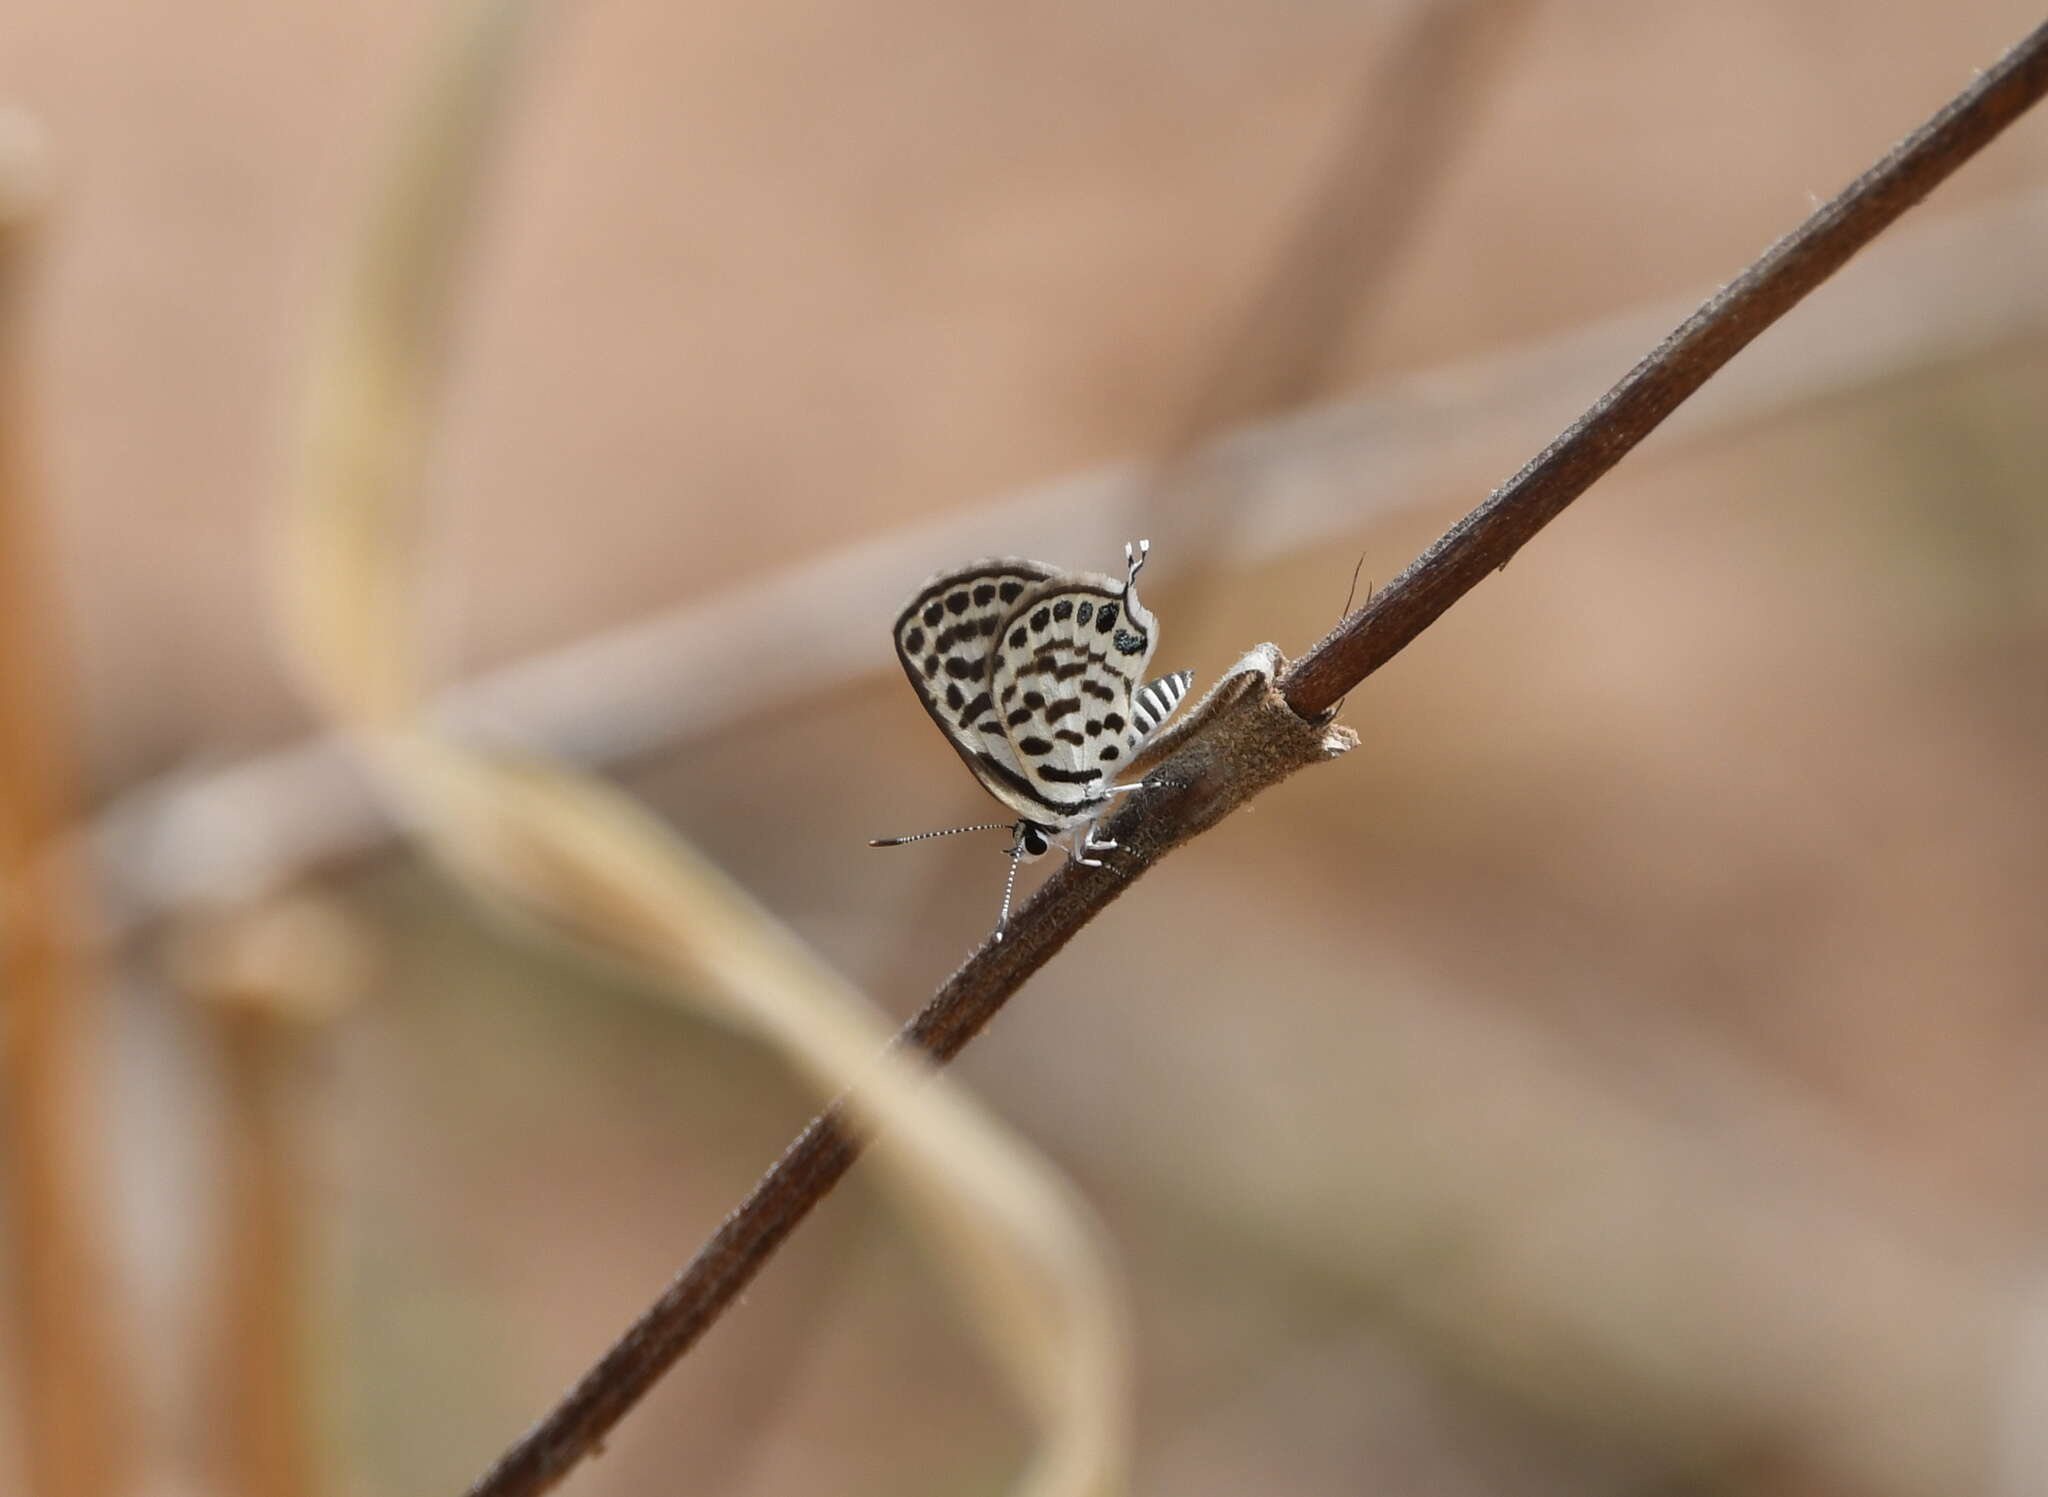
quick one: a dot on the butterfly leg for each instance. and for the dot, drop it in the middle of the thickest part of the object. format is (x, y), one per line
(1010, 883)
(1084, 841)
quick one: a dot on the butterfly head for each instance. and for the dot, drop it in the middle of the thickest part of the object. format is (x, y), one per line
(1033, 841)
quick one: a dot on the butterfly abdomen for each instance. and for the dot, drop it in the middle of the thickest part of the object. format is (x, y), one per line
(1154, 704)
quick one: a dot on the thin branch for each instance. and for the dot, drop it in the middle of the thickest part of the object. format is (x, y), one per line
(1185, 795)
(1485, 540)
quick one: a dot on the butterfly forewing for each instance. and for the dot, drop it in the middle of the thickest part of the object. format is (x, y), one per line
(945, 637)
(1069, 657)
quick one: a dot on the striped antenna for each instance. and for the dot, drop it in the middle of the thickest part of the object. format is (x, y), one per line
(986, 826)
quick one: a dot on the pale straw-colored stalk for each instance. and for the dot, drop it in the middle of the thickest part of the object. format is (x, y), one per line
(584, 860)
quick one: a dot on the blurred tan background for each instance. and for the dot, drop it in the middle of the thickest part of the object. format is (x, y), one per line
(1621, 1076)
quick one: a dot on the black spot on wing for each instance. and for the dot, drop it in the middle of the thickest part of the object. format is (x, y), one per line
(931, 665)
(1110, 753)
(1041, 619)
(1063, 610)
(1097, 690)
(1033, 746)
(1114, 721)
(995, 769)
(1105, 618)
(984, 595)
(1009, 590)
(955, 697)
(1017, 637)
(1061, 708)
(1068, 735)
(1069, 776)
(933, 612)
(959, 667)
(913, 642)
(1018, 718)
(1128, 643)
(958, 603)
(974, 708)
(1085, 612)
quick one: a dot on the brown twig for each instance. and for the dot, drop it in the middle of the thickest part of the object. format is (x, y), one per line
(64, 1377)
(1213, 764)
(262, 1423)
(263, 979)
(1486, 539)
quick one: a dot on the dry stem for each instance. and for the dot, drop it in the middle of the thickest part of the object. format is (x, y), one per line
(1194, 787)
(65, 1374)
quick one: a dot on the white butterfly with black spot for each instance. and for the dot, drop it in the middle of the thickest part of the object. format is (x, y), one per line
(1032, 673)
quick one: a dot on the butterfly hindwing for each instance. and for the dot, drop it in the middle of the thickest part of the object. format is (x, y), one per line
(944, 637)
(1068, 660)
(1033, 675)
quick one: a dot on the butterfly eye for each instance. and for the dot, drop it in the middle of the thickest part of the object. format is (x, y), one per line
(1035, 844)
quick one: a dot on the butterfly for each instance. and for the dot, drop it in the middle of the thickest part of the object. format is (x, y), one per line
(1033, 673)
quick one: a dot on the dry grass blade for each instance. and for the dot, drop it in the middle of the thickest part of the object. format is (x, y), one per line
(65, 1372)
(1933, 291)
(347, 610)
(1241, 740)
(1408, 118)
(583, 860)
